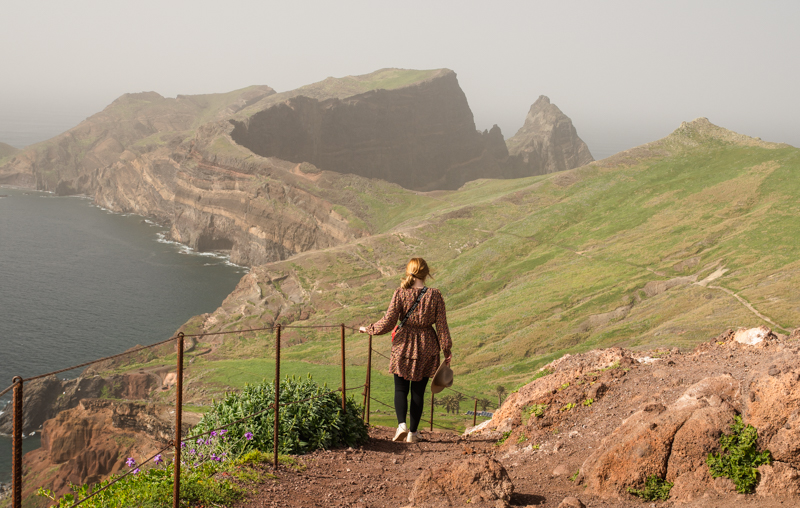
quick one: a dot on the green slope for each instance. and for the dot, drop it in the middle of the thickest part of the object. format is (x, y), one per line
(614, 253)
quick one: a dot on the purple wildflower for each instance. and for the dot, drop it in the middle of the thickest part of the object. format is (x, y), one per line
(192, 451)
(213, 433)
(223, 432)
(136, 471)
(248, 436)
(200, 440)
(130, 462)
(158, 459)
(183, 445)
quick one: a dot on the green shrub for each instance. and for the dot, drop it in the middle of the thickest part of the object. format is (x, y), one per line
(654, 489)
(742, 459)
(315, 422)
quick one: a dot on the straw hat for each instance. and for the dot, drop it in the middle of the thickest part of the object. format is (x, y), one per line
(442, 379)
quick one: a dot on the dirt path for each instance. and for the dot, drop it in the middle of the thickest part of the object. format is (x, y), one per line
(540, 458)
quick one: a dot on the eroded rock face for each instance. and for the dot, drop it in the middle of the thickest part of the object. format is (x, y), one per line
(667, 442)
(87, 443)
(421, 137)
(45, 398)
(481, 482)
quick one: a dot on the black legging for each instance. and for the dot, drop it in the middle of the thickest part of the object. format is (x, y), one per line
(401, 389)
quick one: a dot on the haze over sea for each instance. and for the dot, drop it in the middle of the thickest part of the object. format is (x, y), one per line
(78, 283)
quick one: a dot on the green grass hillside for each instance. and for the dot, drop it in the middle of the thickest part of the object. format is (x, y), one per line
(667, 244)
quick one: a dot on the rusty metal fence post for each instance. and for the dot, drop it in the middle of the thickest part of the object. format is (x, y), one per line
(475, 414)
(344, 387)
(277, 395)
(176, 486)
(16, 445)
(368, 384)
(431, 411)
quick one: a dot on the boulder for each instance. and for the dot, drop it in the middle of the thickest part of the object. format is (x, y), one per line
(571, 502)
(665, 441)
(478, 482)
(772, 405)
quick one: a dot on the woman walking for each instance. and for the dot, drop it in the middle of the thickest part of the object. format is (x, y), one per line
(415, 345)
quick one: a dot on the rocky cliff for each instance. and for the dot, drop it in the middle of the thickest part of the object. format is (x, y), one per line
(421, 136)
(91, 441)
(266, 175)
(546, 143)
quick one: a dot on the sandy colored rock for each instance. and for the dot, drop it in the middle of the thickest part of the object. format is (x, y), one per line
(571, 502)
(778, 479)
(771, 401)
(479, 481)
(753, 336)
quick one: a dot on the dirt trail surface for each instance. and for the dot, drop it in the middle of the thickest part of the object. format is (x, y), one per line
(571, 452)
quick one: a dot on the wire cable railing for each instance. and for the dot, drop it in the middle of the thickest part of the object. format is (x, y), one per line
(179, 339)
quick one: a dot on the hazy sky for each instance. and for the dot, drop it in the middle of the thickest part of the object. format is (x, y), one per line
(626, 72)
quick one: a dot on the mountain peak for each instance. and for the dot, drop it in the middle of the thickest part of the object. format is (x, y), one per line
(548, 141)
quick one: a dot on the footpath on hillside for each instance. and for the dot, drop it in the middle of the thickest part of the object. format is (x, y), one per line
(582, 435)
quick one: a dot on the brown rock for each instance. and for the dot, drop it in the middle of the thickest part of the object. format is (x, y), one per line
(778, 480)
(571, 502)
(772, 398)
(480, 482)
(669, 444)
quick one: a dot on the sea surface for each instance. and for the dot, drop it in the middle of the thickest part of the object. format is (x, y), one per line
(78, 283)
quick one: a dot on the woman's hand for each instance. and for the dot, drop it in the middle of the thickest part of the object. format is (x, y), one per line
(447, 358)
(362, 329)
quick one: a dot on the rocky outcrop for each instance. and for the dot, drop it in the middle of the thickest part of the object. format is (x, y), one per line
(87, 443)
(45, 398)
(421, 137)
(546, 143)
(481, 482)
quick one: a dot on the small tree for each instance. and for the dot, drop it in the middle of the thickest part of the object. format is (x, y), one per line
(484, 404)
(500, 390)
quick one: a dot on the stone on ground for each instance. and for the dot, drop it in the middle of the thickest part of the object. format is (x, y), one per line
(474, 482)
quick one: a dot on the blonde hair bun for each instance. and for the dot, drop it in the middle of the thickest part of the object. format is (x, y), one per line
(416, 268)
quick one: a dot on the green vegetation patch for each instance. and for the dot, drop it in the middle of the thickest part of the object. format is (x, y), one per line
(310, 418)
(739, 458)
(655, 489)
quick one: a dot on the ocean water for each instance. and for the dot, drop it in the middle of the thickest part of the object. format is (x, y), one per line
(78, 283)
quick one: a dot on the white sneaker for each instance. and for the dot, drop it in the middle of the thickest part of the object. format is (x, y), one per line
(412, 437)
(401, 433)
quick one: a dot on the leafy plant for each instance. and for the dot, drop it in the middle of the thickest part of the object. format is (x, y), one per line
(742, 459)
(575, 476)
(522, 438)
(568, 406)
(588, 402)
(311, 417)
(654, 489)
(564, 386)
(503, 439)
(536, 410)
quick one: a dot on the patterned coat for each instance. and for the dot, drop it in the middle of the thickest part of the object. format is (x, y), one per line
(415, 350)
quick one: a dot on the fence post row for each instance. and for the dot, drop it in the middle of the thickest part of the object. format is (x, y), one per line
(16, 445)
(176, 484)
(277, 395)
(344, 388)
